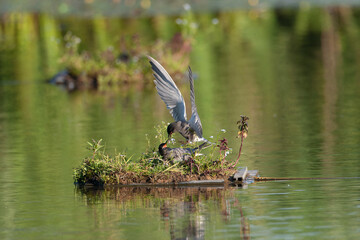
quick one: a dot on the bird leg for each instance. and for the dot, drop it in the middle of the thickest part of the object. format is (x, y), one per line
(184, 143)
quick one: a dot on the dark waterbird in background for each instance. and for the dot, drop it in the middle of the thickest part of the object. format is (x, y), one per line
(179, 154)
(171, 95)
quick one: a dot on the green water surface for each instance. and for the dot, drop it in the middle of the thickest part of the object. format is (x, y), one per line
(293, 71)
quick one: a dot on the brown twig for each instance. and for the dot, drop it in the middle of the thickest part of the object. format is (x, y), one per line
(243, 131)
(237, 160)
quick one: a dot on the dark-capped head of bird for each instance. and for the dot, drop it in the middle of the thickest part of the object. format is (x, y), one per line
(161, 148)
(171, 129)
(163, 145)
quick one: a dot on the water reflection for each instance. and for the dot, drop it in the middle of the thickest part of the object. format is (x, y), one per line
(185, 212)
(271, 210)
(294, 72)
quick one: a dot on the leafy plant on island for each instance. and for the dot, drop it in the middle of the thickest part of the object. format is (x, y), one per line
(118, 66)
(210, 163)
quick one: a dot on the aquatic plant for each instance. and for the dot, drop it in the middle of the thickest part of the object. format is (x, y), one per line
(122, 65)
(242, 133)
(210, 163)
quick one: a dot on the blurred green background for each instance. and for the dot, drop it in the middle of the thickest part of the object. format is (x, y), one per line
(292, 67)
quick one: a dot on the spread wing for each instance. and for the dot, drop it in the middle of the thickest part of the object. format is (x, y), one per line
(194, 121)
(168, 91)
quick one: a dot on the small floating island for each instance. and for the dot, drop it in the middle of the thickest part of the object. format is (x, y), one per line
(118, 68)
(210, 167)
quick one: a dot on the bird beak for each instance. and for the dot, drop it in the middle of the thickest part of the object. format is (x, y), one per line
(165, 145)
